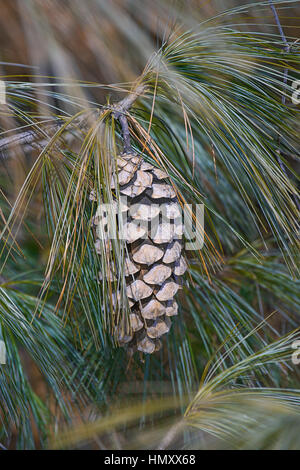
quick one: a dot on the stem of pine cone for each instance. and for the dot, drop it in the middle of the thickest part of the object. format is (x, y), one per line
(125, 131)
(120, 113)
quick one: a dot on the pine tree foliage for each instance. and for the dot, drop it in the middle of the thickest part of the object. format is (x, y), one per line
(209, 120)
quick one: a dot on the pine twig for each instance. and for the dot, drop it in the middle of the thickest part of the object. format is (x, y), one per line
(28, 139)
(283, 98)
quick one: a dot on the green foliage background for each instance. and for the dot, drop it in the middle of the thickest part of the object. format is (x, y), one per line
(216, 114)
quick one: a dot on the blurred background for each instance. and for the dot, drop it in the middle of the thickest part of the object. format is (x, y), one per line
(110, 41)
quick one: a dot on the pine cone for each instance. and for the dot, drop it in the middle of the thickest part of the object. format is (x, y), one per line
(152, 231)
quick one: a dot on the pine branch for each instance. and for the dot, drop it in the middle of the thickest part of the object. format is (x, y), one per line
(30, 139)
(283, 98)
